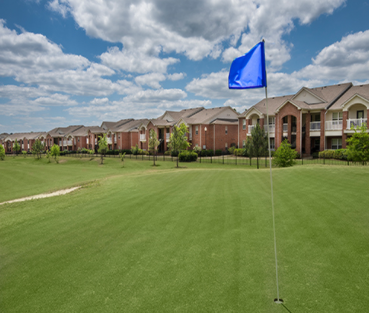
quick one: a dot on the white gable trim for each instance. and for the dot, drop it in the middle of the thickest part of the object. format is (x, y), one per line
(284, 103)
(311, 93)
(345, 106)
(254, 111)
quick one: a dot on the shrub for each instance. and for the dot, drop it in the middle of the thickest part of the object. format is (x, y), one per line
(134, 150)
(231, 149)
(210, 152)
(187, 156)
(24, 153)
(285, 155)
(197, 149)
(239, 152)
(167, 152)
(218, 152)
(2, 152)
(204, 153)
(174, 153)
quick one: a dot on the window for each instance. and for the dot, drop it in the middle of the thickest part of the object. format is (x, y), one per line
(78, 139)
(336, 143)
(337, 116)
(244, 144)
(271, 120)
(359, 114)
(226, 130)
(226, 145)
(244, 124)
(197, 130)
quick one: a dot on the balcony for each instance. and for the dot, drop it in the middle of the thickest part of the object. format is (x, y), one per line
(333, 125)
(142, 137)
(271, 128)
(109, 140)
(356, 122)
(315, 126)
(250, 128)
(67, 143)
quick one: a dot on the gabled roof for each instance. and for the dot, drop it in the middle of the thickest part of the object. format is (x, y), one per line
(21, 136)
(362, 91)
(131, 125)
(207, 116)
(113, 126)
(63, 131)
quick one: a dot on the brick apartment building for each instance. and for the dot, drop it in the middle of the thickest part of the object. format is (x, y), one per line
(313, 119)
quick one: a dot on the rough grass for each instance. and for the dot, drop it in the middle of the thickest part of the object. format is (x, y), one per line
(196, 239)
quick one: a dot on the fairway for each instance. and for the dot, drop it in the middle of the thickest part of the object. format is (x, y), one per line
(194, 239)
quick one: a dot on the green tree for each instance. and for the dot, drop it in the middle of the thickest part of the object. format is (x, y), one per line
(24, 153)
(257, 144)
(55, 152)
(285, 155)
(153, 143)
(178, 140)
(16, 146)
(358, 145)
(121, 156)
(103, 147)
(2, 152)
(37, 148)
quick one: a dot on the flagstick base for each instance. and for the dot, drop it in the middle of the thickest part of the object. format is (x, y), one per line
(278, 301)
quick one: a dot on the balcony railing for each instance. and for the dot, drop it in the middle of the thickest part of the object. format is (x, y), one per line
(271, 128)
(109, 140)
(142, 137)
(314, 126)
(356, 122)
(285, 127)
(250, 128)
(333, 125)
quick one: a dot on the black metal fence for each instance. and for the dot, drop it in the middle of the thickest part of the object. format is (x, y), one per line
(261, 162)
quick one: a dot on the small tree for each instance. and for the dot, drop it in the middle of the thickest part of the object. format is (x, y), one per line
(178, 140)
(358, 145)
(24, 153)
(285, 155)
(16, 146)
(103, 147)
(121, 156)
(55, 152)
(2, 152)
(257, 144)
(153, 143)
(37, 148)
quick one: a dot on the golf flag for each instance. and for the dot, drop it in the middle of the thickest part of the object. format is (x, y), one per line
(248, 71)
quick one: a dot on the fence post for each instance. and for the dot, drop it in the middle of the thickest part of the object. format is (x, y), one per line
(265, 161)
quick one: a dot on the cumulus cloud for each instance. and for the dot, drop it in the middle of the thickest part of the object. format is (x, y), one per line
(176, 76)
(194, 28)
(151, 80)
(345, 60)
(55, 100)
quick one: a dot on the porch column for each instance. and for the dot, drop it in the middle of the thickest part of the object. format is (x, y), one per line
(165, 138)
(278, 131)
(322, 129)
(307, 134)
(298, 134)
(289, 129)
(261, 123)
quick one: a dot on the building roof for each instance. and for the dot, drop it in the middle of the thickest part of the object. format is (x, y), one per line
(21, 136)
(360, 90)
(63, 131)
(131, 125)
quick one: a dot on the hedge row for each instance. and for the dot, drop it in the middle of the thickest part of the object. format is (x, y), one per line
(339, 154)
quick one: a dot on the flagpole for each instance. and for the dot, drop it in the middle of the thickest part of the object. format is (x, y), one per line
(277, 300)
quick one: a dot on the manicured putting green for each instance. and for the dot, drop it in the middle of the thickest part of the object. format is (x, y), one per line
(197, 239)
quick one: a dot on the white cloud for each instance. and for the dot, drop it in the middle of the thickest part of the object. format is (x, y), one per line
(135, 61)
(151, 80)
(58, 7)
(176, 76)
(345, 60)
(194, 28)
(55, 100)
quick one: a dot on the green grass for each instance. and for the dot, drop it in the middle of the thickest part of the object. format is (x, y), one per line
(196, 239)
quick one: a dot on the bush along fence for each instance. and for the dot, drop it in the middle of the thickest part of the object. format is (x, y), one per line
(328, 157)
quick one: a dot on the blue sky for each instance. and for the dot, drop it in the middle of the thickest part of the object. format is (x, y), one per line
(68, 62)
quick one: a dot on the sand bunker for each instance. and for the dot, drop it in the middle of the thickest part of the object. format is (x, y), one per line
(44, 195)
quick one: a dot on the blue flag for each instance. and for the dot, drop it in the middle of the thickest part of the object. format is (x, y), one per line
(248, 71)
